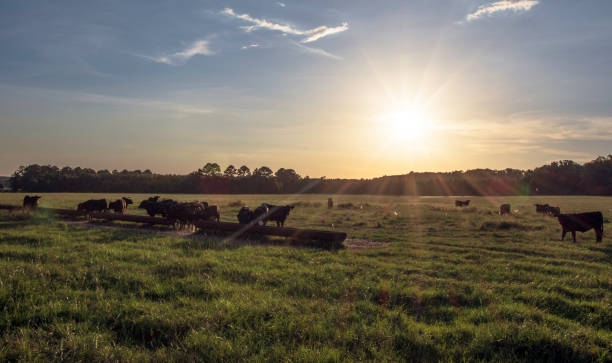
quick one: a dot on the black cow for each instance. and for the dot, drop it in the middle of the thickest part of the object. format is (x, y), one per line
(581, 222)
(30, 202)
(504, 209)
(153, 206)
(210, 212)
(260, 213)
(118, 206)
(542, 208)
(183, 214)
(553, 211)
(93, 205)
(277, 213)
(462, 203)
(245, 215)
(128, 201)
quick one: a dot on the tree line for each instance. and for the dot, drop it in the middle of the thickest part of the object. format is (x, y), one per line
(564, 177)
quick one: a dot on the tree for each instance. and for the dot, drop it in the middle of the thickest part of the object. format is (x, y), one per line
(263, 171)
(230, 171)
(244, 171)
(211, 169)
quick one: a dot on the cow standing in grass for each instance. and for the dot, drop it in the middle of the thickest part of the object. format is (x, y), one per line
(277, 213)
(245, 215)
(542, 208)
(93, 205)
(462, 203)
(504, 209)
(118, 206)
(581, 222)
(30, 202)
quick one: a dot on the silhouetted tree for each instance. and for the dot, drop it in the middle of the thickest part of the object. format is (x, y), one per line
(244, 171)
(558, 178)
(211, 169)
(230, 171)
(263, 171)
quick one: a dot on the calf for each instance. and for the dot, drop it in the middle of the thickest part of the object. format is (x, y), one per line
(93, 205)
(30, 202)
(462, 203)
(118, 206)
(581, 222)
(504, 209)
(277, 213)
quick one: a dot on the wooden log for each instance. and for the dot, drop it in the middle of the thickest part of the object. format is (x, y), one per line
(10, 207)
(241, 229)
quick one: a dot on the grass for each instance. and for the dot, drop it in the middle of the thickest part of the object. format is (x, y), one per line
(451, 285)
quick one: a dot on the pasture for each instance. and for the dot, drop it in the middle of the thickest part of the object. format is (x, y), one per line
(448, 284)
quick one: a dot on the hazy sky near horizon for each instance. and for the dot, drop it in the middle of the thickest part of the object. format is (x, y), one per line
(329, 88)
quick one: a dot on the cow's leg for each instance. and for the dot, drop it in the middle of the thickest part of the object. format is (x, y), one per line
(563, 234)
(574, 236)
(599, 233)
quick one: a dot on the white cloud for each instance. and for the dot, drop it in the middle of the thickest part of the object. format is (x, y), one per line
(282, 5)
(199, 47)
(323, 31)
(255, 45)
(515, 6)
(311, 34)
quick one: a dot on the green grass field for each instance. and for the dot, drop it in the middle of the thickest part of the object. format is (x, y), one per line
(450, 285)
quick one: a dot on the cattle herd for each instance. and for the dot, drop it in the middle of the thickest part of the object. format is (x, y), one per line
(183, 214)
(575, 222)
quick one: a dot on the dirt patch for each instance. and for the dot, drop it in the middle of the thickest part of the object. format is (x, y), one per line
(360, 244)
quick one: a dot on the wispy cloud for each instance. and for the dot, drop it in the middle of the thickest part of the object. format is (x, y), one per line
(199, 47)
(499, 6)
(176, 108)
(282, 5)
(316, 51)
(255, 45)
(311, 34)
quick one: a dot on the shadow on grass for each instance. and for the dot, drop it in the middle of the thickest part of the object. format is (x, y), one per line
(200, 240)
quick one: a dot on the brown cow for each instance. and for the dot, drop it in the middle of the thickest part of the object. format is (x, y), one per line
(504, 209)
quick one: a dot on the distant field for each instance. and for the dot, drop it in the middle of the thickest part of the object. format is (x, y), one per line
(450, 285)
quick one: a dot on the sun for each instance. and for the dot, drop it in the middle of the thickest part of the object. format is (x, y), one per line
(406, 124)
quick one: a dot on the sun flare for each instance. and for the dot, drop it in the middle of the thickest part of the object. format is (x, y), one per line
(406, 124)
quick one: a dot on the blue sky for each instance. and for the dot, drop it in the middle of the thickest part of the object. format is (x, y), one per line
(334, 88)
